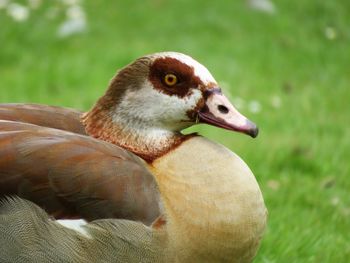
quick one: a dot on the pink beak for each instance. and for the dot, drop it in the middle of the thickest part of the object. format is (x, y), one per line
(218, 111)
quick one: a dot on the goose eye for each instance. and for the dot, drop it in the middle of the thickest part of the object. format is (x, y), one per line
(170, 79)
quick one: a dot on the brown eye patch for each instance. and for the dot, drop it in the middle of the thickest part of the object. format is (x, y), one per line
(184, 74)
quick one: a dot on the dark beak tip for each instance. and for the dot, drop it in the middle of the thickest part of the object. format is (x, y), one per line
(254, 132)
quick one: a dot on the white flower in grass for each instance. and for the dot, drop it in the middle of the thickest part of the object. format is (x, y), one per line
(330, 33)
(335, 200)
(71, 2)
(34, 4)
(265, 6)
(71, 27)
(75, 22)
(75, 12)
(276, 101)
(254, 106)
(18, 12)
(3, 3)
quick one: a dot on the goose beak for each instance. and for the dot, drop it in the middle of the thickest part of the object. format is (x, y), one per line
(218, 111)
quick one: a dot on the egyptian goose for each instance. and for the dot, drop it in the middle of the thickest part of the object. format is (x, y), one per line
(203, 200)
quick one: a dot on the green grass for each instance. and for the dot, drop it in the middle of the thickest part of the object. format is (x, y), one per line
(301, 158)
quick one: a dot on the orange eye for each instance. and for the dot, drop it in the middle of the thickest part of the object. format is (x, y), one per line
(170, 79)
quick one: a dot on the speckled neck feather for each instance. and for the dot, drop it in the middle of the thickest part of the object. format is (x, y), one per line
(98, 124)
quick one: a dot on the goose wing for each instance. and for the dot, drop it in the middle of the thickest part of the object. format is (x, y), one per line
(28, 234)
(43, 115)
(74, 176)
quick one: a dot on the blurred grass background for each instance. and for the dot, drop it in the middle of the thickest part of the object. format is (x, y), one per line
(288, 71)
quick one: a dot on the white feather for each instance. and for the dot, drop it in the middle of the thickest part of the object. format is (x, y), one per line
(77, 225)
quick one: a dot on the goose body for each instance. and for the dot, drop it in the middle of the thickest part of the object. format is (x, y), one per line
(208, 205)
(211, 217)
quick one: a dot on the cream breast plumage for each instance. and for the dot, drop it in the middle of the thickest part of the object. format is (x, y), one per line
(202, 200)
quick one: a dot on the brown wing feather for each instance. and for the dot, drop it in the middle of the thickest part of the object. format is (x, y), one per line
(43, 115)
(72, 175)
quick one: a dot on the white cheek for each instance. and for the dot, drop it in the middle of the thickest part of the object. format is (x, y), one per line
(155, 107)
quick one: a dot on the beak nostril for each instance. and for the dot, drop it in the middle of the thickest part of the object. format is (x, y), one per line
(223, 109)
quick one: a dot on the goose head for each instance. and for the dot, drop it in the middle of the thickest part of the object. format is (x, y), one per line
(151, 100)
